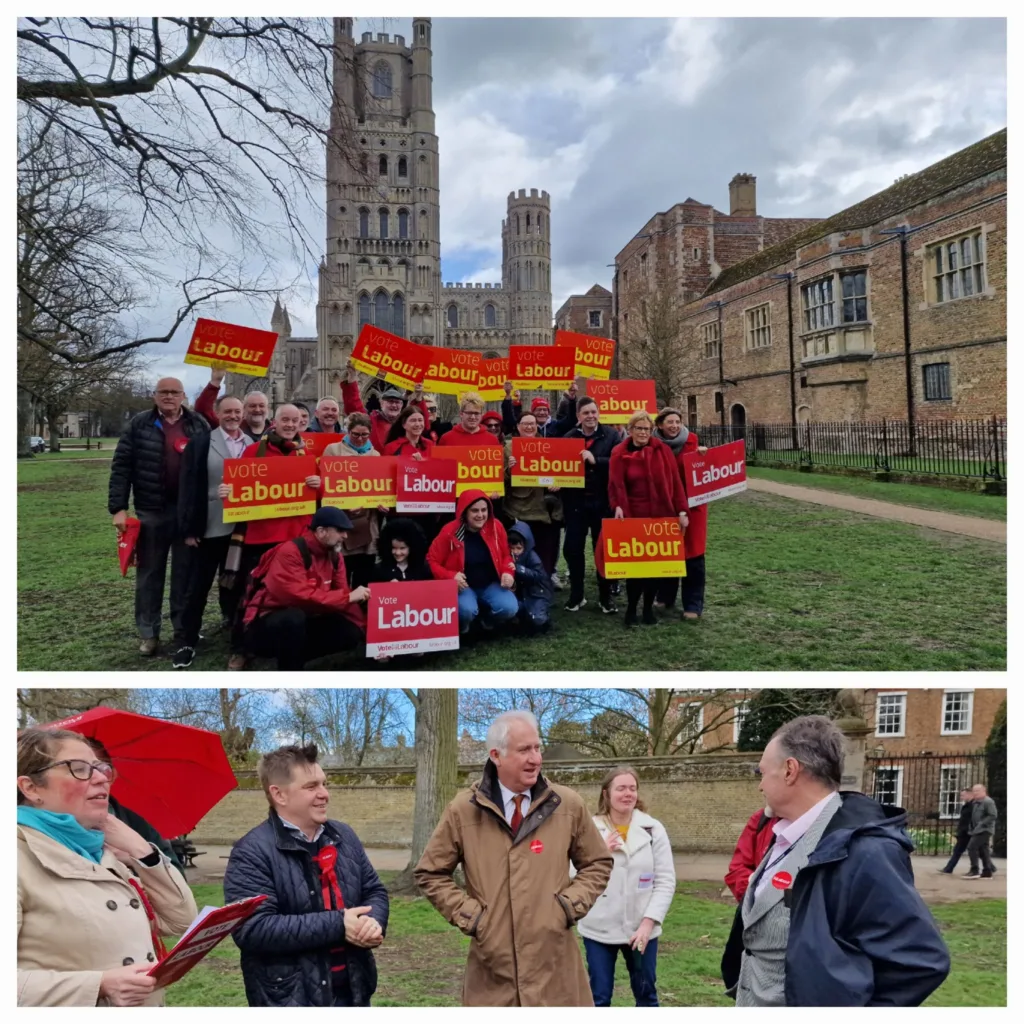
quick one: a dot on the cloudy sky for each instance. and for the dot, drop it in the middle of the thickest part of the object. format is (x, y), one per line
(618, 119)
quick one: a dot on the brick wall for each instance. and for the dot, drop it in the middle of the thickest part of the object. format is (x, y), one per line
(703, 801)
(924, 721)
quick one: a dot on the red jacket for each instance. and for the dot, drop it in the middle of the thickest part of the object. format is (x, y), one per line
(750, 850)
(458, 435)
(667, 495)
(352, 401)
(401, 446)
(447, 554)
(287, 584)
(273, 531)
(695, 538)
(204, 404)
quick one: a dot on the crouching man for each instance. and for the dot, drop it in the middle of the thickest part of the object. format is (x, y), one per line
(299, 606)
(309, 943)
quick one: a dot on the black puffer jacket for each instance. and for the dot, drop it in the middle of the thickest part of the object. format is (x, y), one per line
(594, 493)
(138, 463)
(285, 945)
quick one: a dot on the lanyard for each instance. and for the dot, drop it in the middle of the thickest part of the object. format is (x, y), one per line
(158, 943)
(769, 865)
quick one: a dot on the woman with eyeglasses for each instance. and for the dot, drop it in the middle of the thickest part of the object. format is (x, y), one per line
(644, 482)
(94, 898)
(360, 546)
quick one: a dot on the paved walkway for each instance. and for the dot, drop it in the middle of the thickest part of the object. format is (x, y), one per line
(707, 867)
(948, 522)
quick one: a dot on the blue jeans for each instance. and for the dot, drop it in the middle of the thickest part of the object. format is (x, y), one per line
(642, 969)
(499, 605)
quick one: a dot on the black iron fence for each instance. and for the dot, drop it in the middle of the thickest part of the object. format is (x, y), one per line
(928, 787)
(966, 448)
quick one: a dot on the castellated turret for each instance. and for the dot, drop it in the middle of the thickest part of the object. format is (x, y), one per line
(526, 265)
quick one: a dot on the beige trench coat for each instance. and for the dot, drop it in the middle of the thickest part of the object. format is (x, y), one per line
(362, 538)
(77, 919)
(519, 905)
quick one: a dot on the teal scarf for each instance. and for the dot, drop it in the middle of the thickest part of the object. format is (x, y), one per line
(64, 829)
(361, 449)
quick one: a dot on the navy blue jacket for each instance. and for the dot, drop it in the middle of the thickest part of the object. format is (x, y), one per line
(285, 944)
(859, 932)
(533, 584)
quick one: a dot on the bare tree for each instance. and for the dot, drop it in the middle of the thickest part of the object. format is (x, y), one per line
(652, 346)
(39, 706)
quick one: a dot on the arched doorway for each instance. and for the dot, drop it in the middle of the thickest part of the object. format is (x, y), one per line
(738, 422)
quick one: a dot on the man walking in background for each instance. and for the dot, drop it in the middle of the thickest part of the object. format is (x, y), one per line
(963, 832)
(983, 825)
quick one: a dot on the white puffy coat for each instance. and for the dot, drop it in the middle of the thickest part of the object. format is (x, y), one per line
(642, 883)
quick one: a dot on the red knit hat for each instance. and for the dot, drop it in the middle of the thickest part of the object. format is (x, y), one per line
(538, 402)
(490, 417)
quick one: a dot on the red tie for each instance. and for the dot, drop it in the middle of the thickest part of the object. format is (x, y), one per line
(517, 814)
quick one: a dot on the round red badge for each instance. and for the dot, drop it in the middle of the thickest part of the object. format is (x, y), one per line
(536, 846)
(327, 857)
(179, 444)
(782, 879)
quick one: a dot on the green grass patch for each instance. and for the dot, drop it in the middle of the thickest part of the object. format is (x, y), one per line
(792, 586)
(422, 960)
(965, 503)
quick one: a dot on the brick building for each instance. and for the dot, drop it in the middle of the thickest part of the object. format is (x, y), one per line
(587, 314)
(811, 326)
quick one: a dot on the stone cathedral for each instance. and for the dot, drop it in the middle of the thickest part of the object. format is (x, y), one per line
(382, 261)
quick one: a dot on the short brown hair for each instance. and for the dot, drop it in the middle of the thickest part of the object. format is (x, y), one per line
(357, 419)
(38, 747)
(603, 803)
(275, 768)
(665, 413)
(583, 401)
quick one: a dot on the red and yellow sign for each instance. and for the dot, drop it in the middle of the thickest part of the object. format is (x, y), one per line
(480, 468)
(426, 485)
(642, 548)
(389, 357)
(353, 481)
(541, 366)
(268, 488)
(317, 442)
(617, 400)
(493, 374)
(593, 355)
(230, 347)
(452, 371)
(547, 462)
(413, 616)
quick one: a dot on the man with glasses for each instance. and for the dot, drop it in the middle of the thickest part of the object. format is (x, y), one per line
(435, 428)
(468, 430)
(145, 472)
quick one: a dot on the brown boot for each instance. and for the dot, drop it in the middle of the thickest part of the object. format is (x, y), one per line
(148, 647)
(236, 663)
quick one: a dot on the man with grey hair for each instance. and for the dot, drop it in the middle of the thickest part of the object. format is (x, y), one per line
(831, 916)
(515, 835)
(326, 419)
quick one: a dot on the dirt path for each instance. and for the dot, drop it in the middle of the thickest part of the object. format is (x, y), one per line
(949, 522)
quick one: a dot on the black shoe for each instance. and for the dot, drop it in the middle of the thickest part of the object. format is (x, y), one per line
(972, 874)
(609, 608)
(983, 875)
(575, 606)
(615, 588)
(630, 620)
(183, 657)
(649, 619)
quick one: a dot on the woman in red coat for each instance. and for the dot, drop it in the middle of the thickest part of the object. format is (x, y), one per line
(643, 482)
(407, 435)
(668, 427)
(473, 551)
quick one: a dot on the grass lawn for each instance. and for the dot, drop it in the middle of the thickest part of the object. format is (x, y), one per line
(791, 586)
(965, 503)
(421, 962)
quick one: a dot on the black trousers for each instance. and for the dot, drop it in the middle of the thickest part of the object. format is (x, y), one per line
(977, 848)
(647, 588)
(958, 852)
(545, 538)
(692, 587)
(579, 523)
(158, 539)
(207, 561)
(251, 555)
(293, 637)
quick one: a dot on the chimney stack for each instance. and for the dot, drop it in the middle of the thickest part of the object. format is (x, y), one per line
(743, 196)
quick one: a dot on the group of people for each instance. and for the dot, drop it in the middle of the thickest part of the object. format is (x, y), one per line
(294, 588)
(827, 911)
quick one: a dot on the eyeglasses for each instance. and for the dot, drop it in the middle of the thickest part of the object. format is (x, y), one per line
(359, 435)
(431, 408)
(495, 427)
(472, 412)
(82, 770)
(169, 394)
(641, 430)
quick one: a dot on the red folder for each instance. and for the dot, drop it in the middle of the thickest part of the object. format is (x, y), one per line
(203, 934)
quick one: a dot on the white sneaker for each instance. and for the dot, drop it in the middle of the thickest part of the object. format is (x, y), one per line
(556, 581)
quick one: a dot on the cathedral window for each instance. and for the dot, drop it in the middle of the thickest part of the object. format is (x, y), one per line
(527, 223)
(383, 222)
(364, 163)
(380, 311)
(364, 310)
(517, 223)
(540, 223)
(490, 317)
(403, 167)
(398, 315)
(453, 315)
(382, 80)
(364, 223)
(403, 223)
(382, 167)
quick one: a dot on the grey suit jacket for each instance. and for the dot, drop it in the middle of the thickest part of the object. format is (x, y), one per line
(215, 525)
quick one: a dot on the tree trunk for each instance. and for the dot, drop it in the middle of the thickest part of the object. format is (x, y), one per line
(25, 414)
(437, 758)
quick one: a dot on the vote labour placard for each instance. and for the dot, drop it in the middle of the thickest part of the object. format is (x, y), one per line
(389, 357)
(316, 443)
(493, 374)
(593, 355)
(426, 486)
(269, 488)
(716, 474)
(547, 462)
(617, 400)
(541, 366)
(407, 618)
(230, 347)
(353, 481)
(205, 932)
(452, 371)
(642, 548)
(480, 468)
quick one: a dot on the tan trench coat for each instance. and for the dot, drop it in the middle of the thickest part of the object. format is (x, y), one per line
(77, 919)
(362, 538)
(519, 906)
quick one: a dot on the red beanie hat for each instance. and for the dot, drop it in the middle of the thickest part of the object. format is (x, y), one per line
(538, 402)
(489, 417)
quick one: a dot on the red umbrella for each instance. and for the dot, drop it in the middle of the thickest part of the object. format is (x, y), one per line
(126, 544)
(168, 773)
